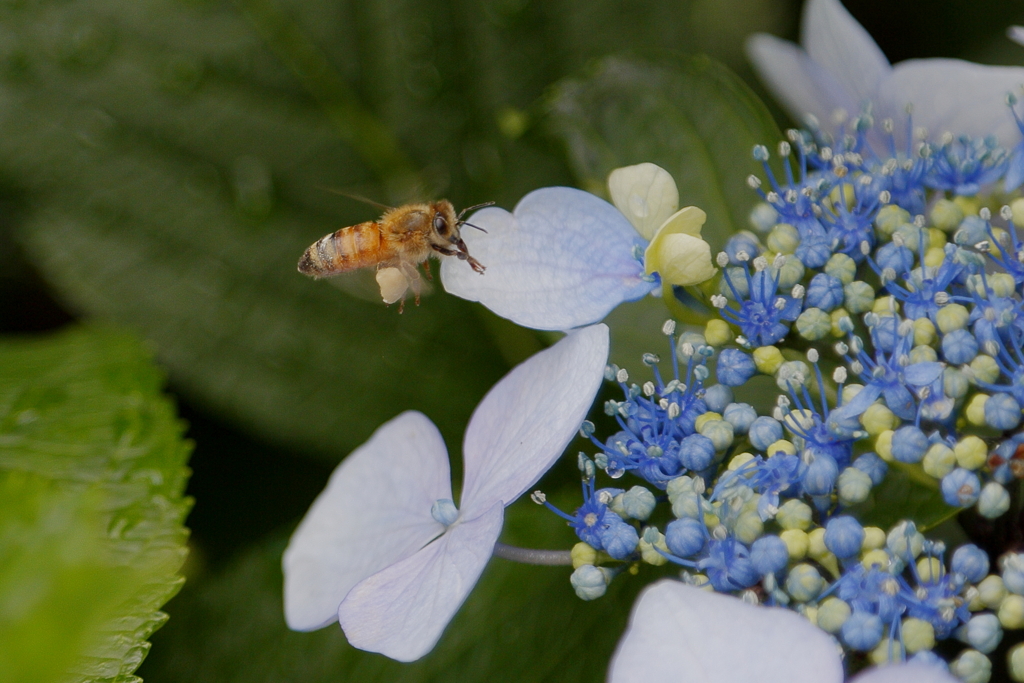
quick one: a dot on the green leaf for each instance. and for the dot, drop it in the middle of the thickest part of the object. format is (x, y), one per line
(92, 474)
(175, 191)
(689, 115)
(520, 623)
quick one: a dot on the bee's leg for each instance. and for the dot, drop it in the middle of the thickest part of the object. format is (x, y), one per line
(401, 305)
(426, 270)
(415, 283)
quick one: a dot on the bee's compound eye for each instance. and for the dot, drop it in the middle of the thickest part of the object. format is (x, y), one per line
(440, 224)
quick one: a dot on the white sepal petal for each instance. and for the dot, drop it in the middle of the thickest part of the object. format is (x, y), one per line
(834, 39)
(951, 95)
(680, 632)
(646, 194)
(905, 673)
(802, 86)
(526, 420)
(374, 511)
(563, 259)
(402, 611)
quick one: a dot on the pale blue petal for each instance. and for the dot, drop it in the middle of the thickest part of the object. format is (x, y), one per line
(374, 511)
(525, 422)
(563, 259)
(950, 95)
(834, 40)
(1016, 34)
(922, 374)
(905, 673)
(681, 633)
(799, 84)
(858, 404)
(402, 611)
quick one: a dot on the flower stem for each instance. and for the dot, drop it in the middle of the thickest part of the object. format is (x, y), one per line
(531, 556)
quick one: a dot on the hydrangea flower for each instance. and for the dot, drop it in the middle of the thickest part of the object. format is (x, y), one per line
(385, 551)
(565, 258)
(839, 67)
(678, 631)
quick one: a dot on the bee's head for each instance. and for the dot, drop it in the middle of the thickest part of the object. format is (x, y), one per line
(445, 224)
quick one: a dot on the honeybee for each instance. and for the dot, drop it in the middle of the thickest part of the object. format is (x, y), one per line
(403, 238)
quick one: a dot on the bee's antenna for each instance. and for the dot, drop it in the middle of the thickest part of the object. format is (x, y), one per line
(357, 197)
(471, 208)
(472, 226)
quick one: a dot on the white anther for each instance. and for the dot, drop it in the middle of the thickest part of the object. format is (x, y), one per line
(856, 367)
(722, 259)
(760, 263)
(687, 349)
(898, 240)
(865, 247)
(648, 389)
(941, 298)
(884, 197)
(719, 301)
(798, 291)
(839, 375)
(622, 376)
(668, 328)
(772, 197)
(841, 348)
(753, 182)
(865, 180)
(538, 497)
(673, 411)
(1006, 212)
(812, 355)
(825, 153)
(984, 213)
(784, 149)
(605, 497)
(946, 138)
(919, 220)
(663, 404)
(887, 125)
(792, 196)
(888, 275)
(779, 261)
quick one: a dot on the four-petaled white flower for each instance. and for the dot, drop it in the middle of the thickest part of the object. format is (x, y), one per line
(681, 633)
(383, 549)
(565, 258)
(839, 67)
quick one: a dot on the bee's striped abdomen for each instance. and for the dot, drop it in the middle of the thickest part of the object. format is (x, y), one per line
(357, 246)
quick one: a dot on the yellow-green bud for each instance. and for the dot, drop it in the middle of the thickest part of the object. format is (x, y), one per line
(858, 296)
(969, 205)
(795, 514)
(784, 239)
(877, 419)
(649, 551)
(874, 538)
(923, 354)
(796, 543)
(883, 445)
(936, 240)
(814, 324)
(717, 332)
(992, 591)
(971, 452)
(704, 418)
(934, 257)
(924, 332)
(840, 320)
(876, 558)
(939, 460)
(971, 666)
(946, 215)
(1017, 207)
(918, 635)
(832, 614)
(886, 305)
(748, 527)
(841, 267)
(975, 411)
(583, 554)
(1001, 284)
(1015, 656)
(804, 583)
(930, 569)
(985, 368)
(767, 359)
(952, 317)
(889, 218)
(739, 460)
(781, 446)
(1011, 611)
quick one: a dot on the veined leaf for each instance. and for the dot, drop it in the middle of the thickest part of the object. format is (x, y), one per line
(92, 475)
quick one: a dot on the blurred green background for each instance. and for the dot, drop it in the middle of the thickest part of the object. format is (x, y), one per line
(163, 164)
